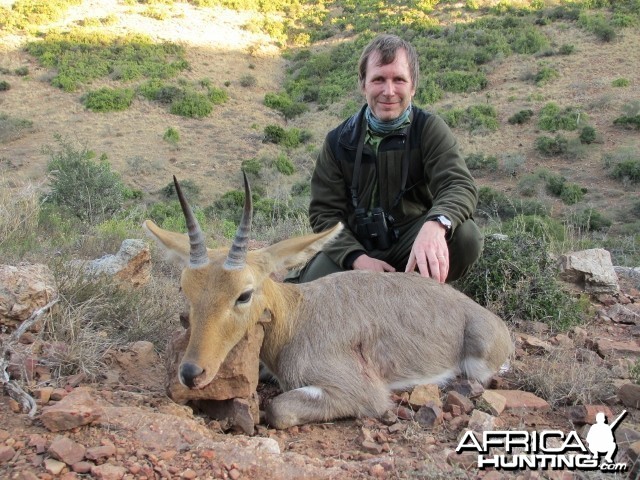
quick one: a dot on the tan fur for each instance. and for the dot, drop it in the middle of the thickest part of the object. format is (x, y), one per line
(339, 344)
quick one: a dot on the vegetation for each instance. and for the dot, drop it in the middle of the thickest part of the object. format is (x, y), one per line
(516, 278)
(521, 117)
(476, 118)
(553, 118)
(109, 99)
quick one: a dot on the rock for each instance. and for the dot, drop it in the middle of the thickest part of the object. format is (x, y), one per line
(423, 394)
(583, 414)
(633, 454)
(456, 399)
(130, 266)
(24, 289)
(631, 273)
(6, 453)
(481, 422)
(607, 347)
(629, 395)
(66, 450)
(533, 345)
(76, 409)
(467, 388)
(495, 402)
(429, 415)
(236, 378)
(629, 314)
(236, 412)
(100, 453)
(518, 399)
(592, 269)
(108, 472)
(54, 467)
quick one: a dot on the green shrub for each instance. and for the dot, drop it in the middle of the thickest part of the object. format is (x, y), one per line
(284, 165)
(589, 219)
(109, 99)
(171, 135)
(552, 118)
(628, 122)
(627, 170)
(290, 138)
(540, 226)
(80, 57)
(461, 82)
(283, 103)
(252, 166)
(545, 75)
(529, 184)
(192, 104)
(566, 49)
(552, 146)
(620, 82)
(516, 278)
(21, 71)
(521, 117)
(479, 162)
(248, 81)
(188, 187)
(87, 188)
(572, 193)
(475, 118)
(555, 183)
(169, 215)
(4, 86)
(217, 96)
(588, 135)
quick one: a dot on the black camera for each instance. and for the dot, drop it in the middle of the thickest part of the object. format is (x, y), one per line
(375, 229)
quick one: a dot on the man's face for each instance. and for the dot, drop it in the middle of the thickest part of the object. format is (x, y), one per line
(388, 88)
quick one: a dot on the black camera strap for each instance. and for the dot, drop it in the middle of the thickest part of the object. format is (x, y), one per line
(358, 162)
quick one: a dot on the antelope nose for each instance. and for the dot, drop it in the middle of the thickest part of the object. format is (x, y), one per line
(188, 374)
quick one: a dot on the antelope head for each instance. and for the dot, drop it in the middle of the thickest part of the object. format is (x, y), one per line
(228, 291)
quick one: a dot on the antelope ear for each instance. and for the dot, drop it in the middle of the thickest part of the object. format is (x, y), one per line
(175, 245)
(295, 251)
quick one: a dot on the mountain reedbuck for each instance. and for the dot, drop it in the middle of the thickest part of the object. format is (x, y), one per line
(337, 345)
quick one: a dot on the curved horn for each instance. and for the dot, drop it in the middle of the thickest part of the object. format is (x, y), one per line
(238, 253)
(198, 256)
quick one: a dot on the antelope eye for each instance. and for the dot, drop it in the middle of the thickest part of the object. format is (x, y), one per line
(244, 297)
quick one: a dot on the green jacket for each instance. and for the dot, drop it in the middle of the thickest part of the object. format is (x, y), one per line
(439, 182)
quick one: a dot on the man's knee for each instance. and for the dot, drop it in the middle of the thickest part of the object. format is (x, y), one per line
(319, 266)
(465, 249)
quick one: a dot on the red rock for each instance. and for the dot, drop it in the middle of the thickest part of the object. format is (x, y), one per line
(423, 394)
(494, 401)
(107, 471)
(429, 415)
(82, 467)
(518, 399)
(76, 409)
(100, 453)
(66, 450)
(629, 395)
(6, 453)
(54, 466)
(581, 414)
(617, 348)
(457, 399)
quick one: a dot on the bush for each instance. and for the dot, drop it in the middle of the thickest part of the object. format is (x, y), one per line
(552, 118)
(4, 86)
(252, 166)
(545, 75)
(169, 215)
(588, 135)
(480, 162)
(627, 170)
(620, 82)
(217, 96)
(87, 188)
(540, 226)
(171, 135)
(521, 117)
(188, 187)
(290, 138)
(284, 165)
(474, 118)
(516, 279)
(552, 146)
(589, 219)
(109, 99)
(628, 122)
(283, 103)
(248, 81)
(572, 193)
(192, 104)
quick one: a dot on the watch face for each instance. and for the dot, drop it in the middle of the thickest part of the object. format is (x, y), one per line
(444, 221)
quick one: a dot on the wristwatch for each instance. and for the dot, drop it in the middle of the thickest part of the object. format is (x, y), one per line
(442, 220)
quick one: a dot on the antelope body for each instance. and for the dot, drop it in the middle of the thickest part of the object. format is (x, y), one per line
(337, 345)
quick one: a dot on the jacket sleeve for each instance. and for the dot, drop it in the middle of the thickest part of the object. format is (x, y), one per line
(454, 190)
(330, 204)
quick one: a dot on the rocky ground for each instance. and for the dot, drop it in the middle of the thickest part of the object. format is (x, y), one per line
(125, 426)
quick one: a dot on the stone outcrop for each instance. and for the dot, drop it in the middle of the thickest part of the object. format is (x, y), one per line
(23, 289)
(592, 269)
(130, 266)
(237, 378)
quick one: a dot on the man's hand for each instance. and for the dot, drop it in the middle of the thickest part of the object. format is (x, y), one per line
(365, 262)
(430, 252)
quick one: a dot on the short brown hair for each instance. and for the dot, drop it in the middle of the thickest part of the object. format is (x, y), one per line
(388, 46)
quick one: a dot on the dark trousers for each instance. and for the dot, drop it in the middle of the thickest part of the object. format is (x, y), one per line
(465, 247)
